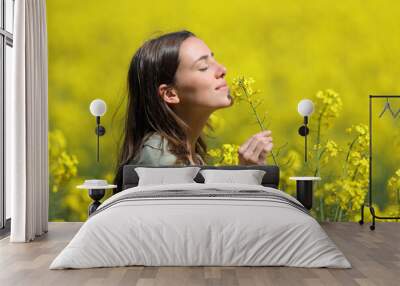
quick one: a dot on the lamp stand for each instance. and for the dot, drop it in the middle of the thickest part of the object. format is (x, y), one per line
(303, 131)
(100, 131)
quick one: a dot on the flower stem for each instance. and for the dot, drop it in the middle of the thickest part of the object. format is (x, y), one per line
(346, 162)
(318, 156)
(257, 117)
(340, 215)
(336, 212)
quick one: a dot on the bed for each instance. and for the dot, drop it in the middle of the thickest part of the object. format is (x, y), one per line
(201, 224)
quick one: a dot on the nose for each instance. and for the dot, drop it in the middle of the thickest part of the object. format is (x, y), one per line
(221, 72)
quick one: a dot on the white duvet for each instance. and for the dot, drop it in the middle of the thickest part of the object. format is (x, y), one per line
(185, 230)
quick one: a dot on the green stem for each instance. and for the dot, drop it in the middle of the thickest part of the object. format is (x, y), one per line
(321, 207)
(355, 173)
(319, 123)
(336, 212)
(319, 139)
(318, 156)
(346, 163)
(398, 202)
(346, 214)
(340, 215)
(322, 153)
(257, 118)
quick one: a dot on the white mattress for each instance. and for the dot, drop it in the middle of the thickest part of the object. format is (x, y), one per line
(190, 230)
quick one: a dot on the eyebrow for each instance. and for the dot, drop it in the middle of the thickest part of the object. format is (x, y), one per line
(204, 57)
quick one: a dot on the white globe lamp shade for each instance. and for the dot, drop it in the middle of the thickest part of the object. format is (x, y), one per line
(305, 107)
(98, 107)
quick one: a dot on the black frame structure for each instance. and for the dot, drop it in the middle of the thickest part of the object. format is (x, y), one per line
(6, 39)
(369, 204)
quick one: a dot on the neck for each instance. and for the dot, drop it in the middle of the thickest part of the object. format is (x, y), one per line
(196, 122)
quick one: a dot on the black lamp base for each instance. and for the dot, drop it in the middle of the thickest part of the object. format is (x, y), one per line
(304, 192)
(96, 195)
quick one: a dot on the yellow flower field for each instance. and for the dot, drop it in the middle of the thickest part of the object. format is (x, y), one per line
(336, 53)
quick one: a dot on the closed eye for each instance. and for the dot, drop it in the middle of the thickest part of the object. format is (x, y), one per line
(203, 69)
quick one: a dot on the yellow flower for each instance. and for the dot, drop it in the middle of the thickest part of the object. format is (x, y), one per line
(328, 105)
(226, 155)
(360, 129)
(214, 152)
(316, 147)
(394, 186)
(332, 148)
(230, 154)
(62, 166)
(242, 89)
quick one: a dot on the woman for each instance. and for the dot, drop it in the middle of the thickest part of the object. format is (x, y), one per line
(174, 85)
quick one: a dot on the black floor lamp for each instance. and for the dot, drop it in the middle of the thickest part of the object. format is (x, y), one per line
(98, 108)
(305, 109)
(97, 188)
(304, 185)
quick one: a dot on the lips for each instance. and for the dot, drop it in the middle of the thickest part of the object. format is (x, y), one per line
(223, 85)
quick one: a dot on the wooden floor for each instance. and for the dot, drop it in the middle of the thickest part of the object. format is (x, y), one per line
(374, 255)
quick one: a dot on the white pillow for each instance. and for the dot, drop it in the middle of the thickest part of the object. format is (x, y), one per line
(250, 177)
(162, 176)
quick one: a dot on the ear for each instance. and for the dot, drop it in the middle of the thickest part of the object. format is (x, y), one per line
(168, 94)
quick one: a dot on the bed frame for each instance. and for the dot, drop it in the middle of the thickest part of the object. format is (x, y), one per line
(271, 178)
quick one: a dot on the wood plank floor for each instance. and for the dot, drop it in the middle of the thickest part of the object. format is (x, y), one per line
(374, 255)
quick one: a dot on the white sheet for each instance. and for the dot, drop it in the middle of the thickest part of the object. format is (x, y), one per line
(192, 231)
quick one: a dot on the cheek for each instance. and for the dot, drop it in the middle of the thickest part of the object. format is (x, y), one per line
(197, 89)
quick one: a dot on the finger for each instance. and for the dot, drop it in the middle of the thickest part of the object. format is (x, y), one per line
(257, 151)
(264, 153)
(253, 151)
(264, 133)
(265, 142)
(268, 148)
(247, 154)
(252, 146)
(245, 145)
(264, 136)
(267, 139)
(263, 157)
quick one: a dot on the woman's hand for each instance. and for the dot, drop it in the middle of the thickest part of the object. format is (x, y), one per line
(255, 149)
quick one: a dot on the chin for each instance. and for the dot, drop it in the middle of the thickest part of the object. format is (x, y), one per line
(224, 99)
(225, 102)
(228, 99)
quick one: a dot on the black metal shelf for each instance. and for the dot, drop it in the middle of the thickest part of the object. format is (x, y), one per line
(369, 204)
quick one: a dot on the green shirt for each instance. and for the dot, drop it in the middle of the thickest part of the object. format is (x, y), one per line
(154, 152)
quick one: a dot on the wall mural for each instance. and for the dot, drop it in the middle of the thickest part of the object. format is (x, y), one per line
(276, 54)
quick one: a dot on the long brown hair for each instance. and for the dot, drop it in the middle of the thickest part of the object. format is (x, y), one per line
(153, 64)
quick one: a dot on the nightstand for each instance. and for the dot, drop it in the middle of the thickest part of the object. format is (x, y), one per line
(96, 193)
(304, 190)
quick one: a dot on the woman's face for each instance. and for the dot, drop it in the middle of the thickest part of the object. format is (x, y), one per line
(199, 79)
